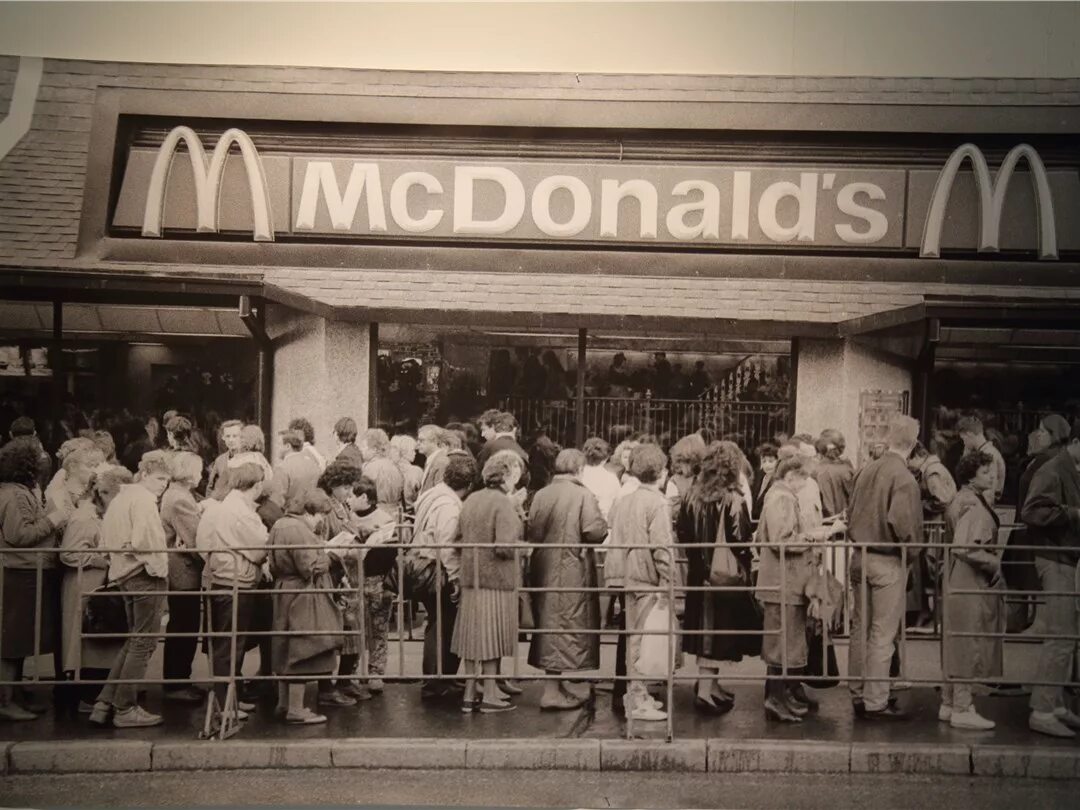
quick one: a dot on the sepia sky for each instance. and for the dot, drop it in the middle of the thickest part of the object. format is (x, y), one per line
(870, 39)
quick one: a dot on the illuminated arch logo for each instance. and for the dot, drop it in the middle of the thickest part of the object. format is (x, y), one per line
(991, 199)
(208, 176)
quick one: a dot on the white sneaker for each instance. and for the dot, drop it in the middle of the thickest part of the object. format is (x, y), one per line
(1047, 723)
(971, 720)
(1067, 718)
(646, 712)
(656, 704)
(944, 713)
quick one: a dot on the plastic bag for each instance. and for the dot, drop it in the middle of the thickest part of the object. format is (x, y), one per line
(654, 659)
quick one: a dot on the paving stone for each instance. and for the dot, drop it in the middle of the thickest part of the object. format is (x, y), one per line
(399, 753)
(778, 756)
(652, 755)
(557, 754)
(239, 754)
(1044, 763)
(80, 756)
(909, 758)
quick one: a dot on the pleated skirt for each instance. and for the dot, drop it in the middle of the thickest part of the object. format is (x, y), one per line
(485, 627)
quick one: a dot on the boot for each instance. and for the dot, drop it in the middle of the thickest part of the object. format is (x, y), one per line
(776, 704)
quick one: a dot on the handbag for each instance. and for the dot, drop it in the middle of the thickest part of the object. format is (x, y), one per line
(105, 613)
(724, 570)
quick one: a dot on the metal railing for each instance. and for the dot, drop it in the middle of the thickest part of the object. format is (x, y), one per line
(220, 716)
(751, 423)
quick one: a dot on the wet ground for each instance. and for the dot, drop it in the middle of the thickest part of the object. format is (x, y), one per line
(400, 712)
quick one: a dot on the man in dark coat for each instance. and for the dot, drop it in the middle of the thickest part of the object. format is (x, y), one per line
(1051, 512)
(502, 429)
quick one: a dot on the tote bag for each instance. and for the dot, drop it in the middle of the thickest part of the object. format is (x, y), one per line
(654, 659)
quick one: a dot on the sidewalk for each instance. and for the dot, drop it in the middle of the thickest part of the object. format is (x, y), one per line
(399, 730)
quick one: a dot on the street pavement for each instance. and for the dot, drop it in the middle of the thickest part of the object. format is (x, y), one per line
(347, 787)
(399, 712)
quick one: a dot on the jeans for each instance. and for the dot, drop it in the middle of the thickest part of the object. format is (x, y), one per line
(219, 608)
(1056, 656)
(438, 644)
(638, 606)
(144, 612)
(873, 635)
(180, 651)
(957, 696)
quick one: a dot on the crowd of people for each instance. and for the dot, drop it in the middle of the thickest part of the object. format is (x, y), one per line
(300, 557)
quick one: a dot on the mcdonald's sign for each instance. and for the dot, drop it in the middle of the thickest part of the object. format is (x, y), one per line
(208, 176)
(332, 194)
(991, 197)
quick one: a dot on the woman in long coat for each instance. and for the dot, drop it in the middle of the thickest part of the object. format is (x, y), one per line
(565, 512)
(969, 521)
(85, 569)
(714, 511)
(295, 568)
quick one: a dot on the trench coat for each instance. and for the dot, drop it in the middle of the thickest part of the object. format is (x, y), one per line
(726, 520)
(565, 512)
(782, 525)
(78, 550)
(969, 520)
(294, 568)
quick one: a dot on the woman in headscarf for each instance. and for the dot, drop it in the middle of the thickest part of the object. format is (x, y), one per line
(715, 512)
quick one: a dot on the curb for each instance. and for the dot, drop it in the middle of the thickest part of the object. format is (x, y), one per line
(715, 755)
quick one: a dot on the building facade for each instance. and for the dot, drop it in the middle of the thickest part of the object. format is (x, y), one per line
(765, 254)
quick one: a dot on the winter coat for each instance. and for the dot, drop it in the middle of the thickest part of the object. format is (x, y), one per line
(437, 526)
(565, 512)
(726, 520)
(886, 506)
(23, 524)
(296, 473)
(180, 519)
(1052, 509)
(234, 530)
(293, 568)
(936, 486)
(641, 518)
(970, 521)
(781, 526)
(489, 517)
(85, 569)
(836, 479)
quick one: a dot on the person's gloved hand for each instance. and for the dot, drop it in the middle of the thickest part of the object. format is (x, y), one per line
(455, 591)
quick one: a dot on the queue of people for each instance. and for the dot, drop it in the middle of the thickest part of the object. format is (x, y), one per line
(301, 559)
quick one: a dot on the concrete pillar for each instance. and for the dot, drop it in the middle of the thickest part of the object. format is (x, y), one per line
(321, 372)
(831, 375)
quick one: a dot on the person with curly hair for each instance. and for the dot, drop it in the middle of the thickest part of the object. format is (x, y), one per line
(24, 527)
(686, 457)
(403, 454)
(486, 626)
(338, 481)
(715, 513)
(302, 605)
(78, 458)
(374, 447)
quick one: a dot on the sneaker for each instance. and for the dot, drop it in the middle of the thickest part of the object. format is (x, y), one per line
(356, 691)
(101, 713)
(1048, 724)
(1067, 718)
(245, 706)
(971, 720)
(648, 712)
(136, 717)
(375, 685)
(13, 711)
(305, 718)
(944, 713)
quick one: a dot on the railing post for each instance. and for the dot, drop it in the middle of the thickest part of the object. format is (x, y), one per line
(579, 401)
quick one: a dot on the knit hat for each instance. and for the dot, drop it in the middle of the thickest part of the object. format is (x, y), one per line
(1057, 427)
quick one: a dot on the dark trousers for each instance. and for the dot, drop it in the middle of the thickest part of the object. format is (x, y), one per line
(436, 643)
(219, 609)
(620, 656)
(180, 651)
